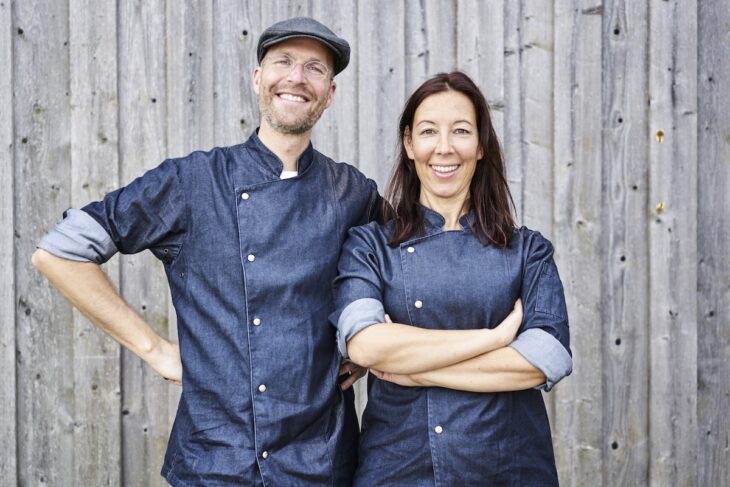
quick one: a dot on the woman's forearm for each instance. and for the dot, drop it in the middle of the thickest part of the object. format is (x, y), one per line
(405, 349)
(501, 370)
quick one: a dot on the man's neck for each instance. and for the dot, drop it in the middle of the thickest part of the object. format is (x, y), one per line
(287, 147)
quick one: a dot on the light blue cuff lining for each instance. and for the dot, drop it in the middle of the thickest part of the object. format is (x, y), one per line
(79, 237)
(357, 316)
(545, 352)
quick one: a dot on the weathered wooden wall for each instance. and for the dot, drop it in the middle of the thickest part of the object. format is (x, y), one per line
(615, 122)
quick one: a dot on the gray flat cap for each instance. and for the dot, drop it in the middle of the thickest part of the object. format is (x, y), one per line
(305, 27)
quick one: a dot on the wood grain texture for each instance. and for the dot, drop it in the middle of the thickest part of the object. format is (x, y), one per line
(625, 302)
(713, 233)
(577, 230)
(480, 36)
(673, 242)
(430, 43)
(143, 145)
(235, 107)
(513, 116)
(8, 390)
(94, 172)
(382, 87)
(44, 325)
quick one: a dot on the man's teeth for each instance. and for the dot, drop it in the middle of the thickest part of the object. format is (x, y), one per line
(444, 168)
(289, 97)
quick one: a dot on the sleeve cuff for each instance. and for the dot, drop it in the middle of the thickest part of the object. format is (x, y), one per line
(79, 237)
(357, 316)
(545, 352)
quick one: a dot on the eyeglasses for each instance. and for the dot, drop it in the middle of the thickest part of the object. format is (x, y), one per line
(284, 66)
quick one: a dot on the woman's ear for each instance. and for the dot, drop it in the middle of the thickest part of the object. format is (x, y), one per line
(408, 142)
(480, 153)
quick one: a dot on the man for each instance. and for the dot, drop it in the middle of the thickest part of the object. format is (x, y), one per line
(249, 236)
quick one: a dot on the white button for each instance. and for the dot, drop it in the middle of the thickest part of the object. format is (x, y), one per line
(265, 455)
(418, 304)
(256, 322)
(244, 196)
(411, 250)
(262, 388)
(438, 429)
(251, 257)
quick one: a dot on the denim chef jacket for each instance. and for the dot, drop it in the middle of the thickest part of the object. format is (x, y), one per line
(449, 280)
(250, 259)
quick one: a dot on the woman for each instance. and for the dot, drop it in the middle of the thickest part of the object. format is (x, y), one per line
(452, 400)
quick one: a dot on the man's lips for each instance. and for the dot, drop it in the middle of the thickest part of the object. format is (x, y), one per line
(292, 97)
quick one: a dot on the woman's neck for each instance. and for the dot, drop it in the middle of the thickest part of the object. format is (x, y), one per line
(450, 208)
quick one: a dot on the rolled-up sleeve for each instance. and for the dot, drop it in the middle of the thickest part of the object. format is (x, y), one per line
(79, 237)
(544, 338)
(358, 288)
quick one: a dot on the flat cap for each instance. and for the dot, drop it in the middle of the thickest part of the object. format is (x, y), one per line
(305, 27)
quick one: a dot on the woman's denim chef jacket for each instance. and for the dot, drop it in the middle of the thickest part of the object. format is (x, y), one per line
(250, 259)
(449, 280)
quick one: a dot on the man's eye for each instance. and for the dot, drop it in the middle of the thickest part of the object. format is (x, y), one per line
(316, 68)
(282, 62)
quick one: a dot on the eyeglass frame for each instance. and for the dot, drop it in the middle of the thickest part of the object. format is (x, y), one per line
(283, 56)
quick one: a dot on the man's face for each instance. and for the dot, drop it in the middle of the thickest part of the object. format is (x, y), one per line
(291, 101)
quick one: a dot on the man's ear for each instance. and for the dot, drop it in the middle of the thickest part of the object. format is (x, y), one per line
(331, 93)
(408, 142)
(256, 78)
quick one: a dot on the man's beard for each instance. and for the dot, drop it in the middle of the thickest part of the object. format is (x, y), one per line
(298, 126)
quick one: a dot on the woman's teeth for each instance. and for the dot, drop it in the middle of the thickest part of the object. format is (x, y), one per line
(444, 169)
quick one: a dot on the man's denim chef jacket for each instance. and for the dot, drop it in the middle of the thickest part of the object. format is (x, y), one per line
(250, 259)
(449, 280)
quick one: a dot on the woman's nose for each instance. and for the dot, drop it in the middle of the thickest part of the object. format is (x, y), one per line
(444, 144)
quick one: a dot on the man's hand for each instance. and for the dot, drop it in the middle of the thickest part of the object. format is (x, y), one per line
(350, 373)
(165, 360)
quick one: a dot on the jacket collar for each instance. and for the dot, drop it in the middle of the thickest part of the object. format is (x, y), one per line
(271, 161)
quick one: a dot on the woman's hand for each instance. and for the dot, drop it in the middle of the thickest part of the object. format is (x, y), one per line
(507, 330)
(405, 380)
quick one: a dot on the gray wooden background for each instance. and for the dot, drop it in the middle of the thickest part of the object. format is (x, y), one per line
(615, 119)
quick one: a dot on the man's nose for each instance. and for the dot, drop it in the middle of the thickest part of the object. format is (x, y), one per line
(297, 73)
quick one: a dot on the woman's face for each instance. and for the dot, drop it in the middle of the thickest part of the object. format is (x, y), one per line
(444, 144)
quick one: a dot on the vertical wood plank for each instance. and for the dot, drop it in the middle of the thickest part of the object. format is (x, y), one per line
(272, 12)
(480, 52)
(142, 145)
(430, 31)
(513, 123)
(713, 221)
(335, 135)
(536, 88)
(625, 260)
(94, 171)
(673, 242)
(8, 390)
(577, 208)
(381, 84)
(44, 320)
(235, 33)
(189, 77)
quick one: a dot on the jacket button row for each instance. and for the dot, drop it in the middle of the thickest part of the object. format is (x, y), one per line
(418, 304)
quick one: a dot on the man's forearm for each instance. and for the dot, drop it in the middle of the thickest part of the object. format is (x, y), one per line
(497, 371)
(405, 349)
(87, 287)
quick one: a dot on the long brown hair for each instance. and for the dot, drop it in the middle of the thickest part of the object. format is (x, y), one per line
(490, 195)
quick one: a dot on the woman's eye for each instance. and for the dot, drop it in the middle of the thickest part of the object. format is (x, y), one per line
(462, 131)
(427, 132)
